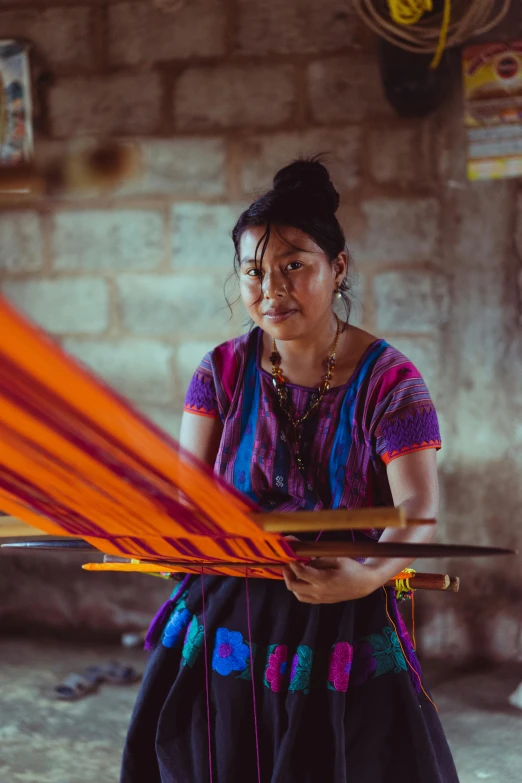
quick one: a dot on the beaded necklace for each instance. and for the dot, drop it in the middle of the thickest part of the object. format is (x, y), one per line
(282, 392)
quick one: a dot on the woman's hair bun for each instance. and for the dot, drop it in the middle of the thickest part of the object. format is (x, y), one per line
(311, 177)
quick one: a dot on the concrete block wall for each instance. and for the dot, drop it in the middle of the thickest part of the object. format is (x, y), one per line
(218, 95)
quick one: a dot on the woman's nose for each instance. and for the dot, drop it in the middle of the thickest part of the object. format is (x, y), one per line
(273, 285)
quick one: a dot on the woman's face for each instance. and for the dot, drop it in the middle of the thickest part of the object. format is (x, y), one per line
(290, 297)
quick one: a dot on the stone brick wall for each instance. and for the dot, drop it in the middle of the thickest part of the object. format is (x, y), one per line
(218, 96)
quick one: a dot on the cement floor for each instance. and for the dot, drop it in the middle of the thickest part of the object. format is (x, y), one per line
(47, 741)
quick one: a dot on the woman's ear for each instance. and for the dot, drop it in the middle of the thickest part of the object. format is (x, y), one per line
(340, 266)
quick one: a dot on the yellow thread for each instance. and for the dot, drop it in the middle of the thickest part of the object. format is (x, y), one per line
(402, 582)
(443, 37)
(409, 11)
(416, 673)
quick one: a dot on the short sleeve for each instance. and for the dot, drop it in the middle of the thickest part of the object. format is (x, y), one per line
(405, 419)
(201, 397)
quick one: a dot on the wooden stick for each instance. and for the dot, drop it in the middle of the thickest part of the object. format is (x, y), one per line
(374, 549)
(332, 519)
(454, 584)
(423, 581)
(306, 549)
(418, 581)
(288, 522)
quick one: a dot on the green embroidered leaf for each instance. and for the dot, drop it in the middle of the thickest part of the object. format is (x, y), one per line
(379, 642)
(305, 656)
(300, 680)
(385, 663)
(387, 652)
(193, 643)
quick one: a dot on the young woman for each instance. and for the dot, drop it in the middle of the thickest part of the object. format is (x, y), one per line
(337, 694)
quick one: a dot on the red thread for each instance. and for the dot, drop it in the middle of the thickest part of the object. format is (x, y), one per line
(207, 689)
(252, 673)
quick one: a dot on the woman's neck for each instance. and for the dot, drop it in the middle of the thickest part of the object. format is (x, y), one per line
(303, 362)
(310, 349)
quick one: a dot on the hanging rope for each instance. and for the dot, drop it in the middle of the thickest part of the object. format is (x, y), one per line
(404, 22)
(409, 11)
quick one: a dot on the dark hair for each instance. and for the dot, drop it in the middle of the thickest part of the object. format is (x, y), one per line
(302, 196)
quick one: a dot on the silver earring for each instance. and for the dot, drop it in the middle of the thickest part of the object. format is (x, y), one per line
(338, 294)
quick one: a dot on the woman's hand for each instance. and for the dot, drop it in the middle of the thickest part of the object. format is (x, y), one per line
(329, 580)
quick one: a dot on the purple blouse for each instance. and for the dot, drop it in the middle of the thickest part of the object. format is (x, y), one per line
(383, 412)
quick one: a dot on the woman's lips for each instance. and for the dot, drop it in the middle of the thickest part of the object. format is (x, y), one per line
(278, 316)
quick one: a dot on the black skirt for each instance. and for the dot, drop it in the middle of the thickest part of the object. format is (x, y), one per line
(337, 688)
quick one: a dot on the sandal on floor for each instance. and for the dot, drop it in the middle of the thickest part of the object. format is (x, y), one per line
(76, 686)
(117, 674)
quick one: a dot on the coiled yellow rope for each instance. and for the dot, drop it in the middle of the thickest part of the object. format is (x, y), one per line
(404, 24)
(402, 584)
(409, 11)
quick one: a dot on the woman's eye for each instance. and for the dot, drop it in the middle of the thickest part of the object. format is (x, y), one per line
(294, 265)
(253, 272)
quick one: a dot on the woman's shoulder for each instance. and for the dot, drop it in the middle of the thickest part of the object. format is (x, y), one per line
(234, 350)
(392, 363)
(395, 380)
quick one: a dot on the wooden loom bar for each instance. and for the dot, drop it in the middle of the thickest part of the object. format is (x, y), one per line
(418, 581)
(302, 549)
(336, 519)
(290, 522)
(374, 549)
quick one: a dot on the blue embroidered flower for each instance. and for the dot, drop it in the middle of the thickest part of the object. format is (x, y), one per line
(241, 477)
(176, 627)
(230, 652)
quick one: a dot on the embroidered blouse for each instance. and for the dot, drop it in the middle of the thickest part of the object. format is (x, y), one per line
(383, 412)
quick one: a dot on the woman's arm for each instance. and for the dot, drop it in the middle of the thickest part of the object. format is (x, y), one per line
(414, 486)
(201, 436)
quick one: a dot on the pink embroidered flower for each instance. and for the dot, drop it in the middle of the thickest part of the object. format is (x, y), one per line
(340, 666)
(277, 667)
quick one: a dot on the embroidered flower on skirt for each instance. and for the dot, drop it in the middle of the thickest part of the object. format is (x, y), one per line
(230, 652)
(194, 640)
(176, 626)
(379, 653)
(276, 667)
(340, 667)
(301, 669)
(387, 652)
